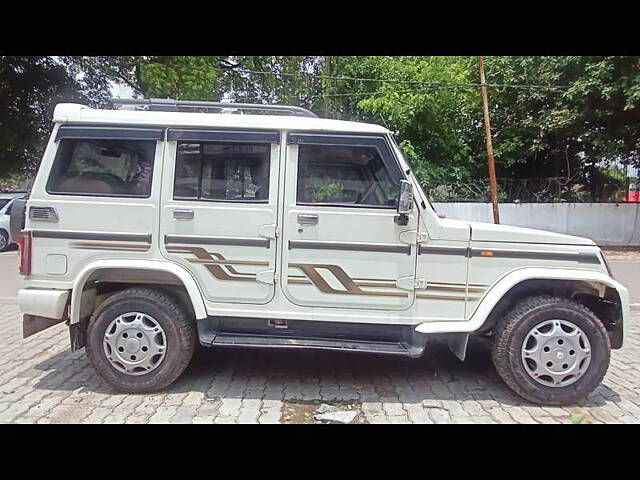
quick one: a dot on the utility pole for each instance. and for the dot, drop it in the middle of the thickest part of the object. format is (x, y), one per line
(487, 128)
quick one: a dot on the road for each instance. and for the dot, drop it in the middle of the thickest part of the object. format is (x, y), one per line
(628, 274)
(10, 280)
(41, 381)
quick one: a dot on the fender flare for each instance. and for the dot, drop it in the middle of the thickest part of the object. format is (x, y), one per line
(513, 278)
(182, 274)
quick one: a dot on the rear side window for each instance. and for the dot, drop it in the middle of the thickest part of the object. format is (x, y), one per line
(237, 172)
(121, 168)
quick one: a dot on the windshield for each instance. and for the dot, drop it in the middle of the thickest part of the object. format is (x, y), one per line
(399, 150)
(3, 202)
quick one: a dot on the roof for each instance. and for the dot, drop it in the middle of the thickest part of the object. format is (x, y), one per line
(75, 113)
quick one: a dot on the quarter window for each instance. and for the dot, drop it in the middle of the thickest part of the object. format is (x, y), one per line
(222, 171)
(344, 175)
(103, 168)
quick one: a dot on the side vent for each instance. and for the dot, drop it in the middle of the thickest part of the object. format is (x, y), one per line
(47, 214)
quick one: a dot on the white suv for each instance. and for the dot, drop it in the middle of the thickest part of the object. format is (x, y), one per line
(151, 229)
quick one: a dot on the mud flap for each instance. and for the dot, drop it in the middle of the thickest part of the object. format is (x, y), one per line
(32, 324)
(458, 344)
(77, 333)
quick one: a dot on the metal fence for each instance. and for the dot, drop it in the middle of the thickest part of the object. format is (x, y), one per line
(602, 189)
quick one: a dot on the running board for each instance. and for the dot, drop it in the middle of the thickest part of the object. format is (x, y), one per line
(391, 348)
(279, 333)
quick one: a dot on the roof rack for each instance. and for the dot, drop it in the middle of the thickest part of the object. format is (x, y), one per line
(171, 105)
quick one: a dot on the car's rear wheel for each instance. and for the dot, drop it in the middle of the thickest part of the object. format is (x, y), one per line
(551, 350)
(4, 241)
(140, 340)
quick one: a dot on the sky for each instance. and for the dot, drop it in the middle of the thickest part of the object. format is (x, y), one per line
(120, 90)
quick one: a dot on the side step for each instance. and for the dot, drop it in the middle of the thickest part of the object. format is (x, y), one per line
(265, 341)
(279, 333)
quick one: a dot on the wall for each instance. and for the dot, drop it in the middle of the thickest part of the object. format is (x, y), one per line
(605, 223)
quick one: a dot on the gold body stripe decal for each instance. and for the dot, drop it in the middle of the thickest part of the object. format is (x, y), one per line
(214, 265)
(222, 269)
(350, 287)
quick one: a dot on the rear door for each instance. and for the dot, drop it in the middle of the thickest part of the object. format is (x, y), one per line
(219, 210)
(342, 244)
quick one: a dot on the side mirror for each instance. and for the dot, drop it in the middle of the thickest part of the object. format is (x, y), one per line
(405, 200)
(405, 203)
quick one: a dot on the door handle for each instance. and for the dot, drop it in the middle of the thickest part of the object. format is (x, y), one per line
(183, 214)
(307, 219)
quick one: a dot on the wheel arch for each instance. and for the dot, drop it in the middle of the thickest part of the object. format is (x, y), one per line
(598, 297)
(593, 288)
(163, 275)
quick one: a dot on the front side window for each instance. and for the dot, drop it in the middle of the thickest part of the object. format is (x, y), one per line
(222, 171)
(344, 175)
(103, 168)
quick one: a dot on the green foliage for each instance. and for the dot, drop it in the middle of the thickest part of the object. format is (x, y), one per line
(30, 87)
(431, 104)
(555, 133)
(187, 78)
(16, 181)
(326, 192)
(440, 123)
(615, 174)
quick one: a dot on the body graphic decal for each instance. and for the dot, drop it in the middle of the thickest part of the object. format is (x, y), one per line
(224, 269)
(218, 266)
(350, 286)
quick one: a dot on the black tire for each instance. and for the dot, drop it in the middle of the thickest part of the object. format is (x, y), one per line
(180, 332)
(4, 241)
(511, 332)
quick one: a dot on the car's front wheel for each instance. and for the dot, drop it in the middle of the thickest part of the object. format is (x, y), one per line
(140, 340)
(551, 350)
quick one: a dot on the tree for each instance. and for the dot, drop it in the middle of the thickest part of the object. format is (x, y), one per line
(551, 116)
(567, 131)
(435, 115)
(29, 89)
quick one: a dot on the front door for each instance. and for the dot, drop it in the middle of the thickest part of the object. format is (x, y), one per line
(341, 242)
(220, 208)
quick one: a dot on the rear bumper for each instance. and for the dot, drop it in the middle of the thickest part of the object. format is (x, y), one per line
(43, 302)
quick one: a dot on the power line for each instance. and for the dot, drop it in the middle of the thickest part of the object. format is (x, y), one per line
(377, 93)
(408, 82)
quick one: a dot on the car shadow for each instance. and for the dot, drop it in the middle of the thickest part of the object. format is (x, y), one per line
(320, 376)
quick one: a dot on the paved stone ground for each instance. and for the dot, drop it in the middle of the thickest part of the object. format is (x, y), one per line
(41, 381)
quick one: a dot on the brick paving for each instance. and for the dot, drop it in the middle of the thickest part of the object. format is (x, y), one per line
(41, 381)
